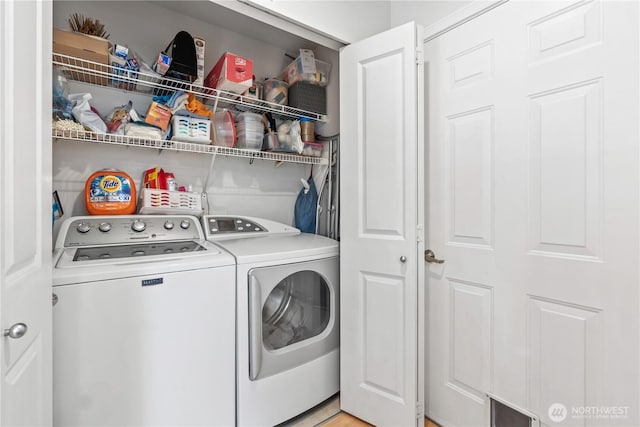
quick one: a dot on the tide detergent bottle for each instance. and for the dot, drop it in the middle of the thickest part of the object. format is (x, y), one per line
(110, 192)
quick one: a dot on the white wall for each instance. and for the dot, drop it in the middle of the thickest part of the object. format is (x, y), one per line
(424, 12)
(258, 189)
(351, 20)
(346, 21)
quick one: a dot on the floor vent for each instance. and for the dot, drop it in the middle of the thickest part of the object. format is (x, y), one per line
(505, 416)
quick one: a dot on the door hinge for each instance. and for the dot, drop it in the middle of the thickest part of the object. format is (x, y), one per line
(419, 233)
(419, 56)
(419, 410)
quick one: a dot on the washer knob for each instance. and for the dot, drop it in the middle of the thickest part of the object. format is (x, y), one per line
(184, 224)
(104, 227)
(138, 225)
(168, 225)
(83, 227)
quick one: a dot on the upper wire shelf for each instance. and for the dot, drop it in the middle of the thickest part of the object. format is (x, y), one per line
(132, 141)
(151, 84)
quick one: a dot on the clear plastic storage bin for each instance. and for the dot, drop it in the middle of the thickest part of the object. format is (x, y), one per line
(249, 140)
(251, 121)
(250, 131)
(224, 129)
(274, 90)
(293, 73)
(313, 149)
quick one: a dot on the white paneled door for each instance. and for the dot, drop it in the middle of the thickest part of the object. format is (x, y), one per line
(25, 213)
(381, 228)
(533, 202)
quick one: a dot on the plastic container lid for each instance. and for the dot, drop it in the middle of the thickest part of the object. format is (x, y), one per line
(251, 122)
(248, 117)
(252, 126)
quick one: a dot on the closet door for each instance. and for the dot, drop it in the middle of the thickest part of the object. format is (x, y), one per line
(533, 203)
(381, 227)
(25, 213)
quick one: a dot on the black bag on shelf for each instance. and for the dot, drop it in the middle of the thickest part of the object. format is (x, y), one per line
(182, 51)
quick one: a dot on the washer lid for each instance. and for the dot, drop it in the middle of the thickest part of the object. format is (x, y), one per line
(279, 248)
(71, 265)
(83, 254)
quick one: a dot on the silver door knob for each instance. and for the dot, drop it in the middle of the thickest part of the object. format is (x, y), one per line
(16, 331)
(403, 259)
(429, 256)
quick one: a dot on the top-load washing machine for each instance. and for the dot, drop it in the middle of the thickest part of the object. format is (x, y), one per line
(141, 332)
(287, 317)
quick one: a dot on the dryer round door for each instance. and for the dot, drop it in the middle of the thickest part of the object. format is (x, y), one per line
(293, 313)
(298, 308)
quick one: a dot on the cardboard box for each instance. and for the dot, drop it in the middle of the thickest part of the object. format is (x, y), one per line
(85, 47)
(158, 115)
(82, 46)
(155, 178)
(232, 73)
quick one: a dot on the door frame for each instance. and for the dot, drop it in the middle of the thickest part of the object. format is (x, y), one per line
(460, 17)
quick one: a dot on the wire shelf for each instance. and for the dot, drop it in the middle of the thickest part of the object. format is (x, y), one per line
(132, 141)
(150, 83)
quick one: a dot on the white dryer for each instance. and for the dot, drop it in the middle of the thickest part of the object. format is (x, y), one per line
(143, 324)
(287, 317)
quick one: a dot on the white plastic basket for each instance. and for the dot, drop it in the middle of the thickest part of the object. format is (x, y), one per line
(164, 202)
(191, 129)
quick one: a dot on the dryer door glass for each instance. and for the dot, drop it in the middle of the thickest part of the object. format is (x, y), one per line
(294, 312)
(298, 308)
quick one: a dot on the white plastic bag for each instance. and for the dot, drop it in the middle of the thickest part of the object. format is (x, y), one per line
(289, 136)
(82, 113)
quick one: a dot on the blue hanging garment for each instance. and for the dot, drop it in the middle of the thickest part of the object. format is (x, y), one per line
(306, 207)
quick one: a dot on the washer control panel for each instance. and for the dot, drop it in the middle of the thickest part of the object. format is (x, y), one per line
(222, 227)
(217, 225)
(116, 229)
